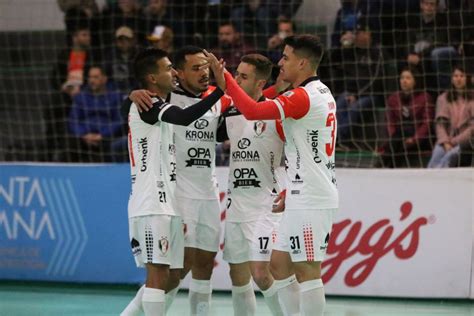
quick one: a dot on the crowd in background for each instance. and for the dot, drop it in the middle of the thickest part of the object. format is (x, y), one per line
(413, 61)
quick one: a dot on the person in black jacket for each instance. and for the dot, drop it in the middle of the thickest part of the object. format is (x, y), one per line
(366, 75)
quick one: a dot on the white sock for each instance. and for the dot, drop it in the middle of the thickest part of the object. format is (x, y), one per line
(200, 297)
(134, 308)
(271, 298)
(153, 301)
(243, 300)
(288, 295)
(170, 296)
(312, 297)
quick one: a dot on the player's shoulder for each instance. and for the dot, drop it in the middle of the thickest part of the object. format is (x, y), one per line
(209, 90)
(296, 93)
(158, 102)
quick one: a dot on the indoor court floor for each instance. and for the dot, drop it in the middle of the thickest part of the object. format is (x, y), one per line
(56, 299)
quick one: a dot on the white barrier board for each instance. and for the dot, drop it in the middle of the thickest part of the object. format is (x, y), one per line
(398, 233)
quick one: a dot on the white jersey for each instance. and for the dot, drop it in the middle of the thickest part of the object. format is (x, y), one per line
(310, 129)
(255, 153)
(152, 164)
(195, 150)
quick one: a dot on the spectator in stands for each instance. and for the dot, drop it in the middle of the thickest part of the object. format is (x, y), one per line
(286, 28)
(255, 22)
(284, 9)
(230, 46)
(77, 12)
(432, 44)
(367, 75)
(158, 13)
(461, 13)
(409, 115)
(69, 72)
(126, 13)
(454, 123)
(66, 80)
(162, 38)
(95, 119)
(346, 22)
(118, 60)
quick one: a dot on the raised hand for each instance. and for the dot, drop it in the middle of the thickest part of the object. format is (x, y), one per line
(218, 68)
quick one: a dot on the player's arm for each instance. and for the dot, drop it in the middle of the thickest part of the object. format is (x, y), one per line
(173, 114)
(293, 104)
(221, 134)
(279, 202)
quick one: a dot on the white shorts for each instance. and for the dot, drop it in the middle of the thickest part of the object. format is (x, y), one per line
(250, 241)
(157, 239)
(202, 220)
(305, 234)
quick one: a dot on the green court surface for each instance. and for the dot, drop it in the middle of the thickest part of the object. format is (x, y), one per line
(32, 299)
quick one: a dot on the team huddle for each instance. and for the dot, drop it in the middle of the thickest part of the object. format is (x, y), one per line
(277, 223)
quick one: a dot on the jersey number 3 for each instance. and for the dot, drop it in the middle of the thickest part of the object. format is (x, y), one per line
(331, 121)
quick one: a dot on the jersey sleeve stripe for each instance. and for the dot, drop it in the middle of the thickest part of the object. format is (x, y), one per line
(280, 108)
(163, 111)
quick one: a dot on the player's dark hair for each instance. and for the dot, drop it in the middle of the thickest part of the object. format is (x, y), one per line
(146, 63)
(263, 65)
(306, 46)
(467, 94)
(179, 57)
(417, 76)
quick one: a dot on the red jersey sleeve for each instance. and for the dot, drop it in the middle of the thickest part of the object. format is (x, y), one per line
(226, 102)
(251, 110)
(294, 103)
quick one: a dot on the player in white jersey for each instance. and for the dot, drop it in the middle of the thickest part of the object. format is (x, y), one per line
(309, 119)
(197, 196)
(156, 230)
(255, 154)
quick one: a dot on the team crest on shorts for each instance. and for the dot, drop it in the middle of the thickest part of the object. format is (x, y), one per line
(136, 250)
(164, 245)
(326, 241)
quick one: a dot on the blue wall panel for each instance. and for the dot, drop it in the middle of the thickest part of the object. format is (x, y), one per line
(65, 223)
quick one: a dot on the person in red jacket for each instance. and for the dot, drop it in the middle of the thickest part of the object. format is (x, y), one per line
(409, 115)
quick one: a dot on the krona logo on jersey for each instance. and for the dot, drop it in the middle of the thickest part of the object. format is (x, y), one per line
(193, 135)
(201, 124)
(245, 155)
(349, 239)
(244, 143)
(200, 157)
(245, 177)
(199, 133)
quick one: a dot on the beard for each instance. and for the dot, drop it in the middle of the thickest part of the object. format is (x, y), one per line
(225, 45)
